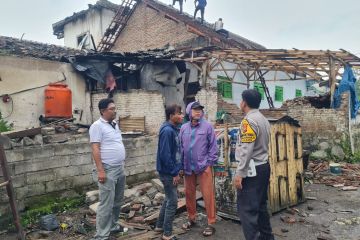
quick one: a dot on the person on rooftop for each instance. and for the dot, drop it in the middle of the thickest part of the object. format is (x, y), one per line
(200, 5)
(181, 3)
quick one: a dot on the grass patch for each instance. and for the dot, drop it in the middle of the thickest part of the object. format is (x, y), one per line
(54, 206)
(41, 206)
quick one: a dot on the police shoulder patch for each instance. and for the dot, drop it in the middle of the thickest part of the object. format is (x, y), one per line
(248, 134)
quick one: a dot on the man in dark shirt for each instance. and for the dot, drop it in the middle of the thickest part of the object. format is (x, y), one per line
(169, 165)
(201, 4)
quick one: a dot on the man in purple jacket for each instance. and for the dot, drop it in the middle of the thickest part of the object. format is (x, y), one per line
(199, 154)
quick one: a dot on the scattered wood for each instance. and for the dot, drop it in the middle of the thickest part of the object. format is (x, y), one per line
(131, 214)
(132, 235)
(311, 198)
(134, 225)
(349, 188)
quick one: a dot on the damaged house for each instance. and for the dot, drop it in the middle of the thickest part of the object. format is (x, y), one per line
(150, 24)
(219, 80)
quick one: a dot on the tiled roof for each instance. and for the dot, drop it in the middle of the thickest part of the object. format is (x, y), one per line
(207, 29)
(17, 47)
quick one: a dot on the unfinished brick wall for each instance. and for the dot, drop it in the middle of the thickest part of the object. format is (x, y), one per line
(231, 108)
(45, 169)
(149, 29)
(137, 103)
(322, 125)
(208, 98)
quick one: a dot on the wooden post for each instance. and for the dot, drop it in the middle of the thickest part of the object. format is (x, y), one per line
(332, 79)
(10, 192)
(226, 146)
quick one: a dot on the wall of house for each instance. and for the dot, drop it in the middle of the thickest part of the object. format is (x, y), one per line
(289, 86)
(25, 79)
(44, 169)
(208, 98)
(149, 29)
(96, 21)
(323, 130)
(137, 103)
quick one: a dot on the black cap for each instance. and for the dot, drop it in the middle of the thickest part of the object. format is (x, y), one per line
(197, 105)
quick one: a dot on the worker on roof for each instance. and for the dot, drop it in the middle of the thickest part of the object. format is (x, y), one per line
(181, 2)
(253, 171)
(201, 4)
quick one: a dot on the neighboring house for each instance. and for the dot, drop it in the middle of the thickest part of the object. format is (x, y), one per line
(77, 30)
(26, 68)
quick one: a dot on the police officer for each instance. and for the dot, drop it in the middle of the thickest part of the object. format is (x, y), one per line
(253, 171)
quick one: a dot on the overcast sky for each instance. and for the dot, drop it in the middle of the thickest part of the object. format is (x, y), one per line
(302, 24)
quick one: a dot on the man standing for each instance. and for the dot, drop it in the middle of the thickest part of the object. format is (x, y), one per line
(201, 4)
(169, 164)
(199, 153)
(109, 154)
(253, 172)
(181, 2)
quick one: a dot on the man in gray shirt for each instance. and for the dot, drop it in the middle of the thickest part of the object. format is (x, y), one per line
(253, 172)
(109, 155)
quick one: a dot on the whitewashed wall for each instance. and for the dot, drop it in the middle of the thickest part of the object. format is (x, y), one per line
(289, 86)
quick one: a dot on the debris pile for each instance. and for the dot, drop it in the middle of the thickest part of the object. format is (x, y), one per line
(141, 208)
(316, 102)
(348, 180)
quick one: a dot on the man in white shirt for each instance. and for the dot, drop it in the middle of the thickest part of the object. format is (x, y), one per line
(109, 155)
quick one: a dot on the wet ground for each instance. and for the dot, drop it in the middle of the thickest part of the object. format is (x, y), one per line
(335, 214)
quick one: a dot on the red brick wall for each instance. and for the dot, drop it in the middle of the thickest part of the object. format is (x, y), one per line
(149, 29)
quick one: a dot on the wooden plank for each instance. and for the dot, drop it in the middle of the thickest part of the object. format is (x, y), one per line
(273, 186)
(332, 79)
(23, 133)
(132, 124)
(4, 184)
(283, 191)
(292, 165)
(181, 205)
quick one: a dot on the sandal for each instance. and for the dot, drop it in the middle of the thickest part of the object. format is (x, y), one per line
(209, 231)
(173, 237)
(188, 225)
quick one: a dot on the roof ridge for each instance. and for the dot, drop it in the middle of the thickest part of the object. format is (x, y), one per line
(207, 28)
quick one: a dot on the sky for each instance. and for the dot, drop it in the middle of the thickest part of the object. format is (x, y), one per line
(301, 24)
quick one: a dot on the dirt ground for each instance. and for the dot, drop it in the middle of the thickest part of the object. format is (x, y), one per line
(335, 214)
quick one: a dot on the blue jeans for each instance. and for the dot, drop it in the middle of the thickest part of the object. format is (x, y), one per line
(168, 209)
(111, 197)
